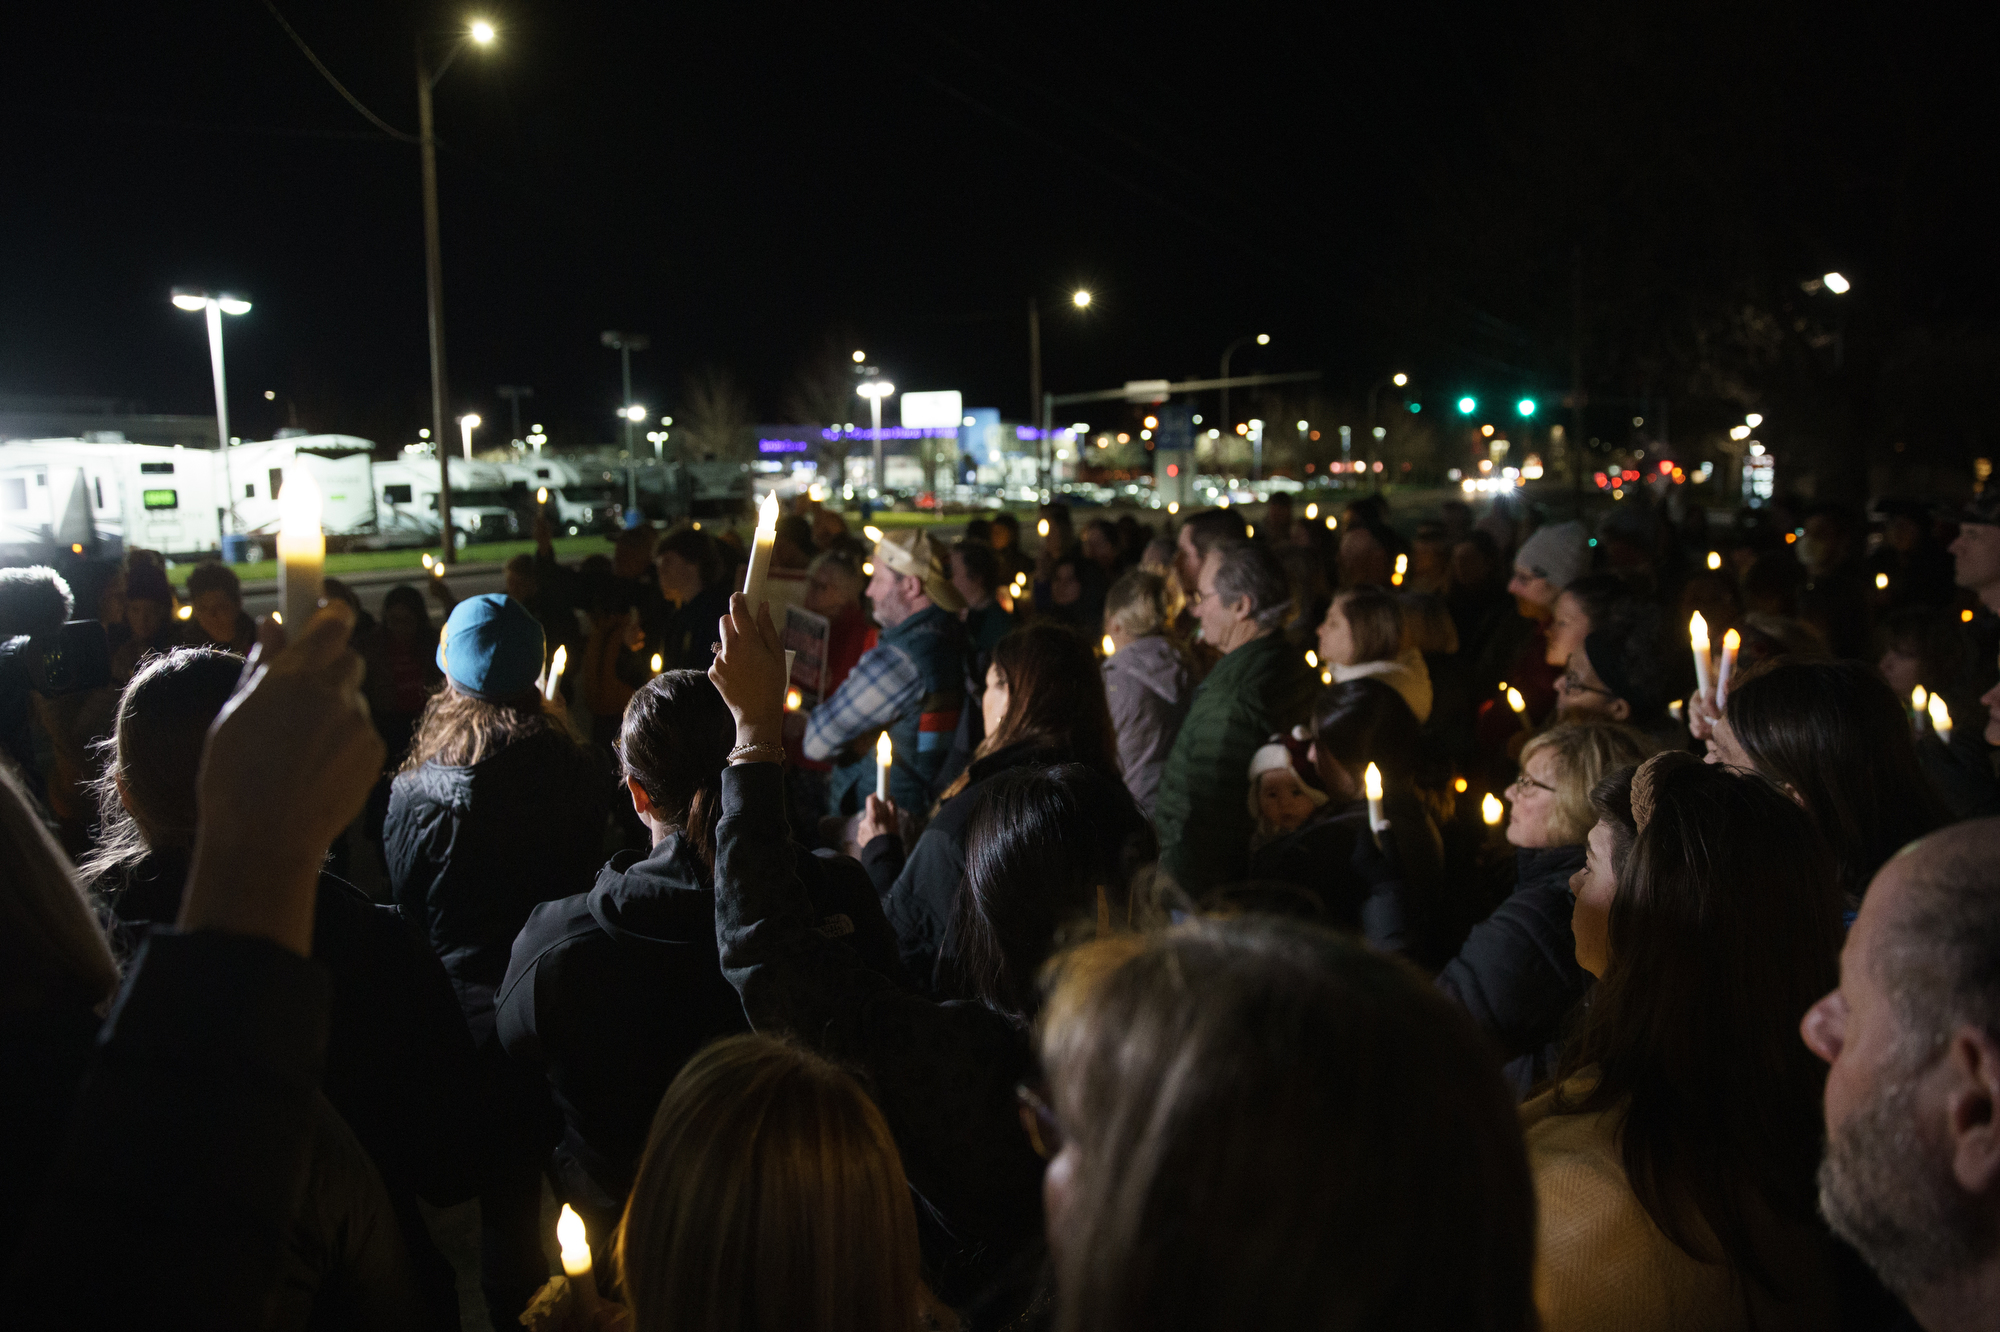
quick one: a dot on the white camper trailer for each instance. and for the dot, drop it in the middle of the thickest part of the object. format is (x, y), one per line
(579, 500)
(406, 501)
(338, 463)
(102, 497)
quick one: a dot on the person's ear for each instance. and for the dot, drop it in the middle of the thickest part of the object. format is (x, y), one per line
(1619, 710)
(642, 804)
(1972, 1109)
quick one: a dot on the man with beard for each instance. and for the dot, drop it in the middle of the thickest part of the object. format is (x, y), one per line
(1912, 1171)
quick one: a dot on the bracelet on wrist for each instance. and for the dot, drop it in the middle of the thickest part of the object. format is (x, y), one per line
(757, 753)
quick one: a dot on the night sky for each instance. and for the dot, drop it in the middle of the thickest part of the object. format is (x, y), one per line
(1414, 187)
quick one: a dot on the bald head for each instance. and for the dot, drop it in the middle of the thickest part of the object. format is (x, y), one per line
(1937, 940)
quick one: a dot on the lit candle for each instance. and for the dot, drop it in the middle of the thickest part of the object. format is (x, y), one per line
(1881, 582)
(873, 533)
(659, 663)
(1698, 633)
(760, 552)
(557, 664)
(301, 548)
(793, 700)
(427, 559)
(882, 753)
(1312, 658)
(1519, 704)
(1491, 810)
(1402, 567)
(542, 495)
(1731, 641)
(1042, 528)
(437, 569)
(1918, 699)
(1371, 786)
(1940, 718)
(576, 1260)
(1111, 647)
(1312, 512)
(1715, 559)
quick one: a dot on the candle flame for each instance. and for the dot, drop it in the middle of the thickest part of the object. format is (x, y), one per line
(1312, 512)
(1371, 782)
(557, 664)
(299, 505)
(427, 559)
(1940, 718)
(1515, 701)
(659, 663)
(542, 495)
(872, 532)
(767, 514)
(575, 1244)
(1491, 810)
(1402, 565)
(277, 617)
(1881, 581)
(1331, 522)
(1731, 641)
(883, 750)
(1918, 697)
(1326, 677)
(1042, 528)
(1698, 630)
(793, 700)
(185, 612)
(1459, 785)
(1111, 647)
(1312, 658)
(437, 570)
(1715, 559)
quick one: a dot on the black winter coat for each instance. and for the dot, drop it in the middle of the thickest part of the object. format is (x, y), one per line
(1388, 911)
(1517, 973)
(610, 992)
(920, 895)
(472, 851)
(943, 1074)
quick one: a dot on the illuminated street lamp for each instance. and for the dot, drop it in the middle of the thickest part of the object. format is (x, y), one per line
(1081, 300)
(875, 390)
(1837, 284)
(1262, 340)
(479, 32)
(466, 425)
(214, 307)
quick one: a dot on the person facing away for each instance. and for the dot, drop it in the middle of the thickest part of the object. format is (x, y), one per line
(1674, 1157)
(399, 1060)
(1260, 687)
(1256, 1124)
(1147, 680)
(771, 1196)
(910, 685)
(609, 992)
(497, 808)
(1911, 1037)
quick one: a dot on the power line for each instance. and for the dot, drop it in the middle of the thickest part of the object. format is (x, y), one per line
(338, 86)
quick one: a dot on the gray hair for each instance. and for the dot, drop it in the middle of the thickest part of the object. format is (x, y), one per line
(1246, 569)
(33, 600)
(1942, 959)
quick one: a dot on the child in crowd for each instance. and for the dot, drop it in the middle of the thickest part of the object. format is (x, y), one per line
(1280, 800)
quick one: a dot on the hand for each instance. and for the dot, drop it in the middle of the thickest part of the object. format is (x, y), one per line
(749, 673)
(288, 764)
(1702, 713)
(877, 819)
(1374, 857)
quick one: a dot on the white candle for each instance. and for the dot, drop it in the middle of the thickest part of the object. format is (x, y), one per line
(1518, 704)
(301, 549)
(1698, 633)
(1731, 641)
(1940, 718)
(1371, 785)
(882, 752)
(760, 552)
(1919, 700)
(557, 664)
(576, 1259)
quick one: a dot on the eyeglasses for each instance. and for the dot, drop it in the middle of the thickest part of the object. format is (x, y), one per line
(1038, 1121)
(1524, 780)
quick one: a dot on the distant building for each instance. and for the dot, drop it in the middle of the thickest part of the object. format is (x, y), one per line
(100, 420)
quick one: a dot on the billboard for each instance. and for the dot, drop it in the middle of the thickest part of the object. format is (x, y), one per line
(944, 409)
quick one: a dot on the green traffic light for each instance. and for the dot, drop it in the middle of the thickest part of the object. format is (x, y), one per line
(1416, 406)
(1525, 406)
(1467, 406)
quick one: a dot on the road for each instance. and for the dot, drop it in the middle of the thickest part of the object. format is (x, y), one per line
(468, 580)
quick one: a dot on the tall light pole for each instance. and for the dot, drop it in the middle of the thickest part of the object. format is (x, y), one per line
(513, 393)
(1038, 403)
(479, 33)
(875, 390)
(1262, 340)
(214, 307)
(625, 344)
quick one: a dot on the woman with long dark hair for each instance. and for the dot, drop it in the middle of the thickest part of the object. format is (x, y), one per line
(611, 991)
(771, 1196)
(1050, 852)
(497, 808)
(1044, 704)
(1259, 1124)
(1833, 736)
(1675, 1158)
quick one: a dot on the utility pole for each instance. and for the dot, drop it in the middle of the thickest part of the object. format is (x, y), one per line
(434, 289)
(625, 344)
(1036, 408)
(1574, 453)
(513, 393)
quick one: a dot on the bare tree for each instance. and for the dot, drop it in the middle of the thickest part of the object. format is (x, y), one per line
(716, 415)
(822, 393)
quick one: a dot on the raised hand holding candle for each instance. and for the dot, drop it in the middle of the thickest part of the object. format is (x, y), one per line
(301, 549)
(882, 753)
(557, 665)
(1371, 786)
(760, 553)
(1940, 719)
(576, 1260)
(1731, 641)
(1698, 634)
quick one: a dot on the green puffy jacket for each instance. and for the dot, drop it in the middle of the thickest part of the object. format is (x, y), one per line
(1203, 811)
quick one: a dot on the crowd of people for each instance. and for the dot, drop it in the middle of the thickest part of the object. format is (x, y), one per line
(1320, 917)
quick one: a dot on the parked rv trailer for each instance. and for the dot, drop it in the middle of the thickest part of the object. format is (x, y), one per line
(581, 499)
(58, 493)
(338, 463)
(406, 501)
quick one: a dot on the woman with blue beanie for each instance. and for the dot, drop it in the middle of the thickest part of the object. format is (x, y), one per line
(497, 808)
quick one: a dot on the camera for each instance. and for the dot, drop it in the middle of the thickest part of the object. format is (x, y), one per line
(66, 660)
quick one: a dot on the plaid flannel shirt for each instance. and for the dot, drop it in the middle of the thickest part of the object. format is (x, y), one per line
(884, 685)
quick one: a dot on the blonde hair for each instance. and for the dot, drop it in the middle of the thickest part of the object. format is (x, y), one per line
(771, 1196)
(50, 945)
(1585, 753)
(1137, 604)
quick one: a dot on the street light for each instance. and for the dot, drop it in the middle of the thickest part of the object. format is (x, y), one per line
(466, 425)
(875, 390)
(1081, 300)
(625, 344)
(215, 307)
(1262, 340)
(479, 33)
(1837, 284)
(1040, 409)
